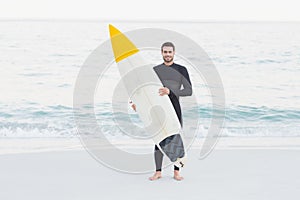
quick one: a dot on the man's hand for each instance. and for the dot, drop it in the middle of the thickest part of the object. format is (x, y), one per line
(163, 91)
(133, 106)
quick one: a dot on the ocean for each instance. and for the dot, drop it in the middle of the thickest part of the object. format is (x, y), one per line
(258, 62)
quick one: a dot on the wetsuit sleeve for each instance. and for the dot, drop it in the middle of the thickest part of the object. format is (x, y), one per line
(172, 95)
(187, 85)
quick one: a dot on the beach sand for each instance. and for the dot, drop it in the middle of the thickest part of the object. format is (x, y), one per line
(259, 172)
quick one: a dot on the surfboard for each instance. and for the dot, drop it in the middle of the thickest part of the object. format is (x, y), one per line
(142, 84)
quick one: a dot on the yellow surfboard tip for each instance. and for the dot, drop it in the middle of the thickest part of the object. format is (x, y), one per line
(121, 45)
(113, 31)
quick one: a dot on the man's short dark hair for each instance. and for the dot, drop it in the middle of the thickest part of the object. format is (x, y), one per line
(168, 44)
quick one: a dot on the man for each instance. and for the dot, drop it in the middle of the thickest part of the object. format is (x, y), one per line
(173, 77)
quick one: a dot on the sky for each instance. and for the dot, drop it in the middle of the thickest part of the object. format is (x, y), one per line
(157, 10)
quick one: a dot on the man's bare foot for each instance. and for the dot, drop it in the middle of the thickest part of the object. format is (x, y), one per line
(156, 176)
(177, 176)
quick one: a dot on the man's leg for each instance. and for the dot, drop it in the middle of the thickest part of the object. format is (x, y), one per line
(177, 108)
(158, 157)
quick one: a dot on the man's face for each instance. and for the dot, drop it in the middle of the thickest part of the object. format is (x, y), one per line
(168, 54)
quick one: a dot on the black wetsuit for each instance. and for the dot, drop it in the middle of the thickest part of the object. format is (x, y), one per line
(173, 77)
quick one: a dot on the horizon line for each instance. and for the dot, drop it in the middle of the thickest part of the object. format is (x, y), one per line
(149, 20)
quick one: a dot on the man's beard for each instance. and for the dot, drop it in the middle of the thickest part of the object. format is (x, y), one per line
(168, 61)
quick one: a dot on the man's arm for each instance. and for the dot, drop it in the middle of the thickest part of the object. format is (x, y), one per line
(187, 85)
(185, 81)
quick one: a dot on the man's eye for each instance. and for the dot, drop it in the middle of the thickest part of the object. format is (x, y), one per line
(167, 51)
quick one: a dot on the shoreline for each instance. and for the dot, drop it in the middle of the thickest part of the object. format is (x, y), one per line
(34, 145)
